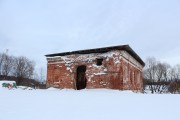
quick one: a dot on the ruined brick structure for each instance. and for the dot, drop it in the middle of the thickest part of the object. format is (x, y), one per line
(117, 67)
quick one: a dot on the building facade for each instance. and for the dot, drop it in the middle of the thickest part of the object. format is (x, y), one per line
(116, 67)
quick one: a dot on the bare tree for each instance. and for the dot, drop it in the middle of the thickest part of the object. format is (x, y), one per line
(1, 62)
(156, 75)
(23, 67)
(175, 72)
(174, 86)
(162, 73)
(7, 65)
(166, 71)
(149, 71)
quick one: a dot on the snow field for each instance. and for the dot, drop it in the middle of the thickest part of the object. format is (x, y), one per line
(99, 104)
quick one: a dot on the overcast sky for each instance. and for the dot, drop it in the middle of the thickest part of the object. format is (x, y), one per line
(33, 28)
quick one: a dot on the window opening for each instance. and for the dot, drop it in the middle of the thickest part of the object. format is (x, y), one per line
(99, 61)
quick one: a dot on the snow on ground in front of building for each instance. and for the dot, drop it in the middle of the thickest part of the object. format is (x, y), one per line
(97, 104)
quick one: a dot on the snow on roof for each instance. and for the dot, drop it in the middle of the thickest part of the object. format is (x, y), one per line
(101, 50)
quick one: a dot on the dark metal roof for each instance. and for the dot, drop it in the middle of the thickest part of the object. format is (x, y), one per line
(102, 50)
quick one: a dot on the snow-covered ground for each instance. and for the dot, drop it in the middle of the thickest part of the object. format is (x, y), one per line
(100, 104)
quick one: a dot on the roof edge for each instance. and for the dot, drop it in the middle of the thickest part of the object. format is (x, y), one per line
(101, 50)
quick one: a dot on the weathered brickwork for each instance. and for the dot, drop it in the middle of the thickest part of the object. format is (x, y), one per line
(119, 70)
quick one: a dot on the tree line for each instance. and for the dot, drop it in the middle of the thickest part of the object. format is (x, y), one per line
(20, 66)
(160, 77)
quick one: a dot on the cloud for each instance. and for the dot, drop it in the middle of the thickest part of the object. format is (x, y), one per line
(35, 28)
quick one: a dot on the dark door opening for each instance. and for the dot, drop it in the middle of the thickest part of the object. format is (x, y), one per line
(81, 77)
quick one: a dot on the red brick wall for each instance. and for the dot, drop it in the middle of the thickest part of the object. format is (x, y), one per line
(116, 72)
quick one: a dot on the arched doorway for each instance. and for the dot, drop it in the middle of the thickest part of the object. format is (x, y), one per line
(81, 77)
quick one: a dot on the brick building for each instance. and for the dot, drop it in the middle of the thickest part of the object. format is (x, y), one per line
(116, 67)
